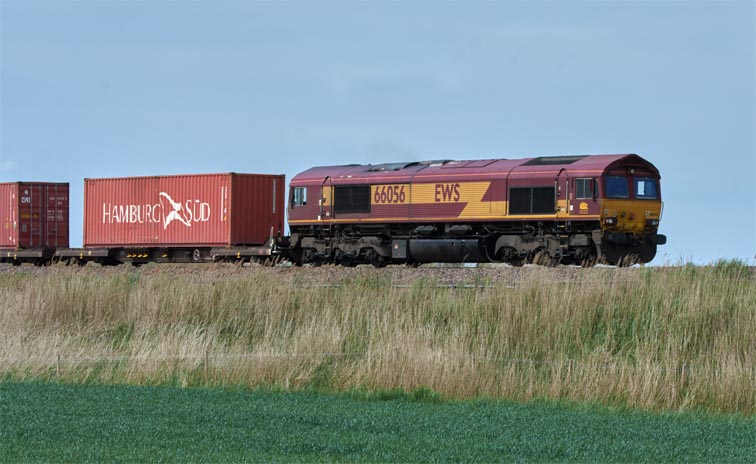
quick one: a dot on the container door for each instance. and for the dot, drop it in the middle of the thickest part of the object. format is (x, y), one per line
(31, 216)
(50, 226)
(56, 217)
(9, 214)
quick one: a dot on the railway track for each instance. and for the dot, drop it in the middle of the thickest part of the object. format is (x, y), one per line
(457, 277)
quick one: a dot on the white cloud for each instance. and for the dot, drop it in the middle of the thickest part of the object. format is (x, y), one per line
(8, 166)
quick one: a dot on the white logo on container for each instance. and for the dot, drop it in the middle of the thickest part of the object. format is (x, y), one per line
(176, 213)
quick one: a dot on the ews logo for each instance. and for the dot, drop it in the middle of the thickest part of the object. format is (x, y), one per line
(447, 193)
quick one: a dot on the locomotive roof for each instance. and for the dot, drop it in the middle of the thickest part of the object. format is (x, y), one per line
(589, 165)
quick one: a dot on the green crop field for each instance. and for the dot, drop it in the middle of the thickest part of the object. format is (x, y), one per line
(63, 423)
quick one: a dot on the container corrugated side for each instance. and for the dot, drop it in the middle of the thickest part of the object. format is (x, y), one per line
(171, 211)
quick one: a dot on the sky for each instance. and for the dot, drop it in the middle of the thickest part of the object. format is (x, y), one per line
(111, 89)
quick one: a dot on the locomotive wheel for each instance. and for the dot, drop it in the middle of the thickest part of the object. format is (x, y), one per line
(510, 256)
(310, 256)
(375, 259)
(378, 261)
(589, 262)
(543, 258)
(348, 262)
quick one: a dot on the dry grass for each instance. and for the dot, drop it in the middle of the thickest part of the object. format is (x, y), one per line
(672, 338)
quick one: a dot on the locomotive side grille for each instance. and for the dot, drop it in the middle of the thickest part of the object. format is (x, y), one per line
(351, 199)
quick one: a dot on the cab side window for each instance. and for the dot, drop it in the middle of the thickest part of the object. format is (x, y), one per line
(299, 198)
(584, 189)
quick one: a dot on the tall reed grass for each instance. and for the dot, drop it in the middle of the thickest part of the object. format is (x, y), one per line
(665, 339)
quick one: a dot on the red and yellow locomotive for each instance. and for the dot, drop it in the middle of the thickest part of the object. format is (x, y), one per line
(564, 209)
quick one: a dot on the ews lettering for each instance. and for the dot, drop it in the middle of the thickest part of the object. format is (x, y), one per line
(447, 192)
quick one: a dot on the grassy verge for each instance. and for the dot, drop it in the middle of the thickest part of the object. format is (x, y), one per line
(64, 423)
(663, 339)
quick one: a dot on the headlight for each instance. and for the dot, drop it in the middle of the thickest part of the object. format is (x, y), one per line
(610, 221)
(652, 222)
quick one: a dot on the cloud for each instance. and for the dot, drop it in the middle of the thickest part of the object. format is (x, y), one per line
(8, 166)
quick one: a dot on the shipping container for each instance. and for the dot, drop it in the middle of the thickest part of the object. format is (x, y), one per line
(34, 215)
(203, 210)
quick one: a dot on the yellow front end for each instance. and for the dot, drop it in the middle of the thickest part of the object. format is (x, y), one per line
(638, 217)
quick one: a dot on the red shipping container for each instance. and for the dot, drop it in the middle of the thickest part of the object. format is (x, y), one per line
(183, 211)
(34, 215)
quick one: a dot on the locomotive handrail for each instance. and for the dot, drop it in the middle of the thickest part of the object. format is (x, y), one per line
(323, 198)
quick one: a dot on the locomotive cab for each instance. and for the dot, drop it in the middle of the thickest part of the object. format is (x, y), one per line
(631, 209)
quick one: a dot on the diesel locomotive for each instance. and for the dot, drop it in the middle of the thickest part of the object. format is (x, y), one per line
(547, 210)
